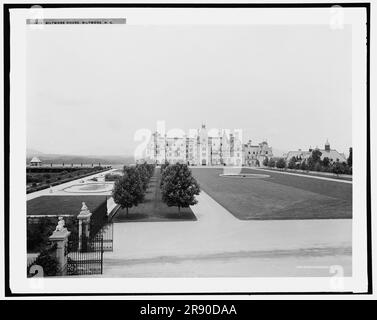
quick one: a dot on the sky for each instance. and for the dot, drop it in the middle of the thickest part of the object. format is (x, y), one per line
(90, 88)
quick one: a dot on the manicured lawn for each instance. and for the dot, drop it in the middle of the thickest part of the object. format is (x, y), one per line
(312, 173)
(43, 177)
(281, 196)
(153, 209)
(63, 205)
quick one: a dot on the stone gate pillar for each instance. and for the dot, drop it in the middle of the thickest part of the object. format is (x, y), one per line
(60, 238)
(84, 226)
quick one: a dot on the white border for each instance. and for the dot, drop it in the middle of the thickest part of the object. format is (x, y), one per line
(20, 284)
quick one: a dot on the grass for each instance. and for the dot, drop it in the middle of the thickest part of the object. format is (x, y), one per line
(63, 205)
(58, 179)
(312, 173)
(281, 196)
(153, 208)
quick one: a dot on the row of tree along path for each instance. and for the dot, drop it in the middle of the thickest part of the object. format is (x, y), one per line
(153, 190)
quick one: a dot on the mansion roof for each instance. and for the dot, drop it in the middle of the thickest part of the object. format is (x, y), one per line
(331, 154)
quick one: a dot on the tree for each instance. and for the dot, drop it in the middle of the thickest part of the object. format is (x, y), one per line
(144, 175)
(271, 163)
(326, 162)
(281, 163)
(338, 168)
(310, 163)
(164, 165)
(128, 190)
(349, 160)
(314, 159)
(292, 163)
(316, 155)
(317, 166)
(265, 162)
(303, 165)
(167, 171)
(145, 171)
(178, 186)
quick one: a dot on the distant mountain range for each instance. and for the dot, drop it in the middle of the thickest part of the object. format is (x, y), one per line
(105, 160)
(32, 152)
(77, 159)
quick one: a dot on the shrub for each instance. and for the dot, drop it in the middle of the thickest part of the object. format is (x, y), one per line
(336, 168)
(349, 159)
(112, 177)
(292, 163)
(339, 168)
(326, 162)
(303, 165)
(39, 230)
(49, 263)
(38, 233)
(317, 167)
(281, 163)
(30, 178)
(271, 163)
(33, 178)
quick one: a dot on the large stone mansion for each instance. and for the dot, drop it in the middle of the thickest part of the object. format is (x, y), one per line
(203, 148)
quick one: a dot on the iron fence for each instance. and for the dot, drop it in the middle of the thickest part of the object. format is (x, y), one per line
(107, 235)
(84, 255)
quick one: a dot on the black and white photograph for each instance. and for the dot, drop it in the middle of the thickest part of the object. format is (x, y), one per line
(189, 149)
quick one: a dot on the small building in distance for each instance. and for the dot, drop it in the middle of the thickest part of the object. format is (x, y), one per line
(327, 152)
(299, 154)
(332, 154)
(35, 162)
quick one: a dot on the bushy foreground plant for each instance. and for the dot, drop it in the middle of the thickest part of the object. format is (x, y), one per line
(47, 261)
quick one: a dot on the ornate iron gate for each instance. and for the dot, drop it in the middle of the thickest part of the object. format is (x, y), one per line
(84, 255)
(107, 236)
